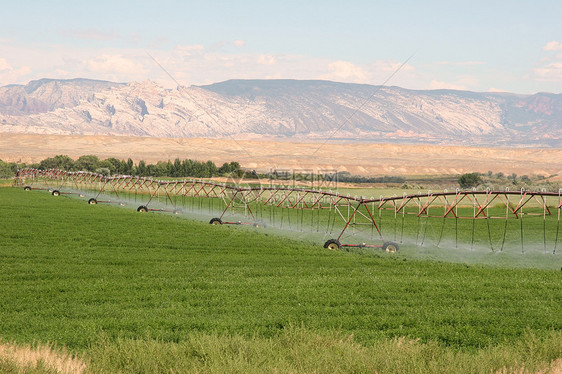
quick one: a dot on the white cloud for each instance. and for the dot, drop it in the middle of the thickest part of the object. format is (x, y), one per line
(439, 85)
(60, 73)
(114, 64)
(9, 74)
(24, 70)
(274, 76)
(552, 46)
(549, 67)
(189, 50)
(239, 43)
(345, 71)
(551, 72)
(266, 60)
(390, 66)
(4, 65)
(499, 90)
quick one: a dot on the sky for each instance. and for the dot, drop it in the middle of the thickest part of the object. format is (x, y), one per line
(513, 46)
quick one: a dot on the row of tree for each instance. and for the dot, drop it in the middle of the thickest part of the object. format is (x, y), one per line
(344, 176)
(469, 180)
(112, 166)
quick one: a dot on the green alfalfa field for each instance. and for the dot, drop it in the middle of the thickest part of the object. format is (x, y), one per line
(111, 290)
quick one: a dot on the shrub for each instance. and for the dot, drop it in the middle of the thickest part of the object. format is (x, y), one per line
(469, 180)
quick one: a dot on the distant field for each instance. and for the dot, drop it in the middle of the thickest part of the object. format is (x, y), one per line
(356, 158)
(92, 278)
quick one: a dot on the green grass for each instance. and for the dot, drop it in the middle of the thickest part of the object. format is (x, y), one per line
(93, 278)
(293, 350)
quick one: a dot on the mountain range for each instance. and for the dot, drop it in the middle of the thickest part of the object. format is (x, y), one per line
(282, 110)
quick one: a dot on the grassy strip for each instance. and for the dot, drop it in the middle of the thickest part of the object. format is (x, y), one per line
(294, 350)
(299, 350)
(38, 359)
(6, 182)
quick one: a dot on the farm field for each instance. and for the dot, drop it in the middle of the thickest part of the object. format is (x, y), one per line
(502, 239)
(132, 292)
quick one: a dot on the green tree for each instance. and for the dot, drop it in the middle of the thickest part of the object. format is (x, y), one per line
(62, 162)
(115, 165)
(162, 169)
(232, 169)
(151, 170)
(235, 169)
(103, 171)
(105, 164)
(176, 168)
(6, 170)
(196, 169)
(187, 168)
(224, 169)
(469, 180)
(130, 166)
(211, 169)
(88, 162)
(141, 169)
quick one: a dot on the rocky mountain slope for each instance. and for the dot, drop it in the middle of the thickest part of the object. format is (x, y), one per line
(308, 110)
(45, 95)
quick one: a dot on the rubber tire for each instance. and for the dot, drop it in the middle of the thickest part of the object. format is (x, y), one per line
(390, 247)
(55, 193)
(92, 201)
(27, 188)
(142, 209)
(332, 244)
(215, 221)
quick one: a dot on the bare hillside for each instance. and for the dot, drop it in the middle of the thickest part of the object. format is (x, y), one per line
(356, 158)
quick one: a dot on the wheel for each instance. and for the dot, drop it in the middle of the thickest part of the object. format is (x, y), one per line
(390, 247)
(27, 188)
(142, 209)
(55, 193)
(92, 201)
(259, 225)
(332, 244)
(215, 221)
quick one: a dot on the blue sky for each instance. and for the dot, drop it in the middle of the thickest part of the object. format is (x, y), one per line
(513, 46)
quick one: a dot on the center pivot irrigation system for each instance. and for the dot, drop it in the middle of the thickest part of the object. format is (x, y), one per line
(472, 216)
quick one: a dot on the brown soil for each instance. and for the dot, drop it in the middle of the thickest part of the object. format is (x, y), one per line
(362, 159)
